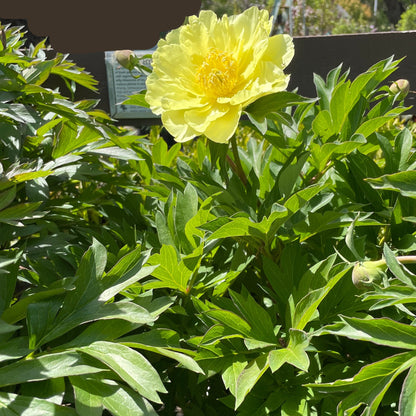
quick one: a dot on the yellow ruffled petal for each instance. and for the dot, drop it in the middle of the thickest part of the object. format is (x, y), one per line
(222, 129)
(200, 118)
(175, 124)
(280, 50)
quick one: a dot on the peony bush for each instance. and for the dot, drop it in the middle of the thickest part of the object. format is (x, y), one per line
(261, 265)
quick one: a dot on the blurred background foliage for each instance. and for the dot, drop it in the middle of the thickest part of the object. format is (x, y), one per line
(326, 17)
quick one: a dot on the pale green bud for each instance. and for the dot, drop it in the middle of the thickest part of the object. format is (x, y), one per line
(126, 58)
(366, 272)
(401, 86)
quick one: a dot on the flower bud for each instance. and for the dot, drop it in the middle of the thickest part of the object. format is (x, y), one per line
(401, 87)
(366, 272)
(126, 58)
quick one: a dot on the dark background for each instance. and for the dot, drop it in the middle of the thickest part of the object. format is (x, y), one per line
(83, 26)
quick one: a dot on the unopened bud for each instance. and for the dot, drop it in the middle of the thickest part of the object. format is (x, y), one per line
(401, 87)
(126, 58)
(366, 272)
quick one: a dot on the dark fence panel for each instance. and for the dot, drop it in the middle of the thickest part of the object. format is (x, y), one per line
(318, 54)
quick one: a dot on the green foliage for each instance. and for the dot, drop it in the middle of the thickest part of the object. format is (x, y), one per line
(228, 7)
(215, 279)
(408, 19)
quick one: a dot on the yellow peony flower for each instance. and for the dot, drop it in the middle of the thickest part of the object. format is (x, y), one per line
(207, 71)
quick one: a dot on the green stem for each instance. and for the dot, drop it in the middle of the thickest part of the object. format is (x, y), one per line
(406, 259)
(238, 167)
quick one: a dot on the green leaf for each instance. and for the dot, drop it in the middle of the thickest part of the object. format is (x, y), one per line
(14, 348)
(31, 406)
(403, 149)
(380, 331)
(130, 365)
(6, 328)
(18, 310)
(249, 377)
(129, 270)
(172, 273)
(339, 106)
(407, 403)
(308, 305)
(118, 399)
(115, 152)
(39, 316)
(256, 316)
(325, 89)
(349, 240)
(163, 232)
(18, 112)
(294, 353)
(18, 212)
(88, 285)
(290, 175)
(52, 389)
(137, 99)
(38, 73)
(231, 374)
(239, 227)
(86, 403)
(186, 361)
(298, 200)
(399, 271)
(186, 208)
(127, 311)
(323, 125)
(48, 366)
(274, 102)
(321, 154)
(370, 384)
(7, 197)
(72, 137)
(370, 126)
(363, 167)
(231, 320)
(403, 182)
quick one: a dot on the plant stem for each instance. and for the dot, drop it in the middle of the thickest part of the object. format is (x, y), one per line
(406, 259)
(238, 167)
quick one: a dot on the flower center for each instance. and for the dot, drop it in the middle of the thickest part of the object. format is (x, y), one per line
(218, 74)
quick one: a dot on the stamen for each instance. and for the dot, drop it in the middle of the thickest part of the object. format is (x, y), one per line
(218, 74)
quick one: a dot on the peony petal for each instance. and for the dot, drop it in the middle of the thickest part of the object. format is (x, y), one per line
(222, 129)
(200, 118)
(175, 124)
(280, 50)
